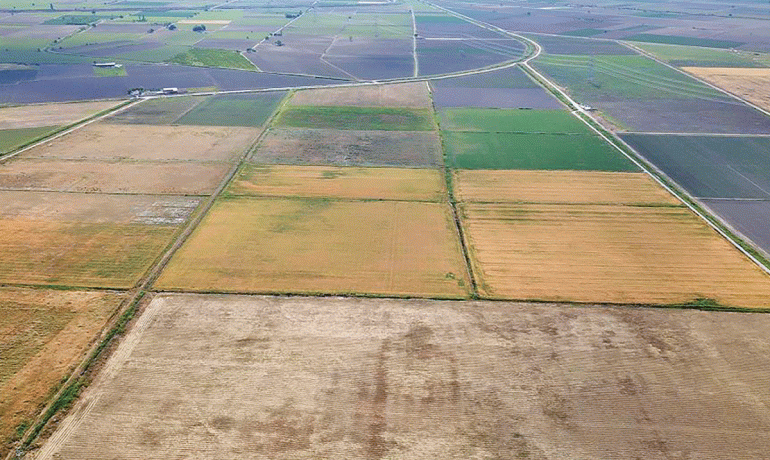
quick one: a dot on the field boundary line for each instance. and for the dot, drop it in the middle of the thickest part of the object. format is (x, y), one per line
(668, 184)
(64, 130)
(694, 77)
(414, 42)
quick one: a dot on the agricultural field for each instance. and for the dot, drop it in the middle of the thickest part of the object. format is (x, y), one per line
(249, 110)
(349, 148)
(340, 182)
(322, 246)
(12, 139)
(43, 335)
(611, 253)
(84, 239)
(752, 85)
(525, 139)
(413, 95)
(158, 111)
(158, 178)
(108, 141)
(388, 378)
(356, 118)
(693, 56)
(34, 116)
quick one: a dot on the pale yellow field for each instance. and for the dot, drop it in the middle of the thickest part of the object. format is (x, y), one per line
(43, 334)
(32, 116)
(294, 245)
(750, 84)
(110, 141)
(586, 187)
(615, 254)
(335, 182)
(399, 95)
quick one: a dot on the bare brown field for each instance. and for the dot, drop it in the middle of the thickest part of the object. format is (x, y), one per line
(322, 246)
(587, 187)
(750, 84)
(349, 148)
(615, 254)
(415, 95)
(32, 116)
(43, 334)
(110, 141)
(111, 176)
(407, 184)
(85, 239)
(311, 378)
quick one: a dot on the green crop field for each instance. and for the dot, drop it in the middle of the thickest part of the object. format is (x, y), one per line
(476, 150)
(11, 139)
(511, 121)
(691, 56)
(233, 110)
(110, 71)
(627, 77)
(203, 57)
(358, 118)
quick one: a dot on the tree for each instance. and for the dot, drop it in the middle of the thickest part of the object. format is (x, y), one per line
(199, 28)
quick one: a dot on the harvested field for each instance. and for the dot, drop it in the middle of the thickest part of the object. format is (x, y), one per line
(576, 187)
(251, 110)
(357, 118)
(111, 176)
(290, 378)
(406, 184)
(616, 254)
(106, 141)
(34, 116)
(710, 166)
(349, 148)
(503, 98)
(414, 95)
(512, 121)
(159, 111)
(43, 334)
(323, 246)
(750, 84)
(478, 150)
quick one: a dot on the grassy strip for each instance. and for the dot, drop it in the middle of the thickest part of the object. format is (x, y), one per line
(681, 195)
(71, 391)
(205, 57)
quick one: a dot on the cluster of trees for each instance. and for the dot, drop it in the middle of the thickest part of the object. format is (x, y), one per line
(199, 28)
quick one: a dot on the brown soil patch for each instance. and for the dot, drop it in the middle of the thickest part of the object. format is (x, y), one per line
(43, 334)
(32, 116)
(616, 254)
(295, 378)
(294, 245)
(349, 148)
(111, 176)
(399, 95)
(750, 84)
(109, 141)
(334, 182)
(559, 187)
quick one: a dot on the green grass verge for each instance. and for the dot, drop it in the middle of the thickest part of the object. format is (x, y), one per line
(203, 57)
(511, 121)
(358, 118)
(11, 139)
(110, 71)
(234, 110)
(477, 150)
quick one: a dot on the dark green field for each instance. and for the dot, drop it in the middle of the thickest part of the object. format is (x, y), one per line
(476, 150)
(203, 57)
(511, 121)
(357, 118)
(234, 110)
(10, 139)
